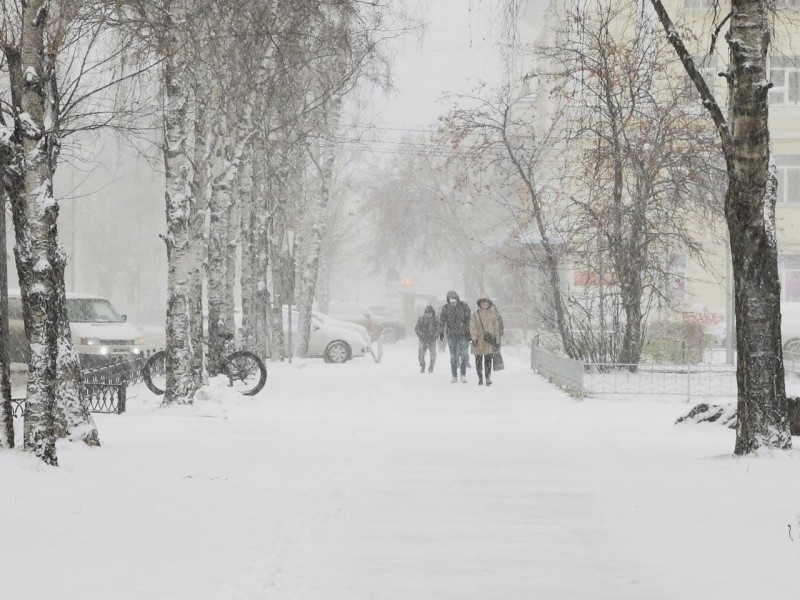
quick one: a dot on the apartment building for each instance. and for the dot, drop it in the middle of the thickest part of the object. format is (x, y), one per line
(701, 291)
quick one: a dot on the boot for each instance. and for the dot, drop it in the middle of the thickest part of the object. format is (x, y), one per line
(488, 379)
(422, 369)
(480, 379)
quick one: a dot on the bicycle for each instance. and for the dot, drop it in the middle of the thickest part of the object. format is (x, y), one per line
(246, 373)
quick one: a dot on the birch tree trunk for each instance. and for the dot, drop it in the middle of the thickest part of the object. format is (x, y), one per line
(40, 260)
(223, 175)
(197, 223)
(6, 412)
(181, 380)
(232, 248)
(278, 268)
(248, 250)
(35, 220)
(750, 214)
(255, 314)
(73, 419)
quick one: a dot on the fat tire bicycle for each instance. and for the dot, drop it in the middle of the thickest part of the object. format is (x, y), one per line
(246, 372)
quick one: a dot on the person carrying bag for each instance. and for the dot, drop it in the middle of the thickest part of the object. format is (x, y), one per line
(486, 331)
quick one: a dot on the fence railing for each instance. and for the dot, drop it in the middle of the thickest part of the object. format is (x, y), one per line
(105, 387)
(564, 372)
(614, 378)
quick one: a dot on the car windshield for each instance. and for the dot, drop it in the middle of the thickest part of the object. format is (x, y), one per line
(92, 310)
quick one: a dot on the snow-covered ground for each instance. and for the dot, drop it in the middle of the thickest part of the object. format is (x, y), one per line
(373, 481)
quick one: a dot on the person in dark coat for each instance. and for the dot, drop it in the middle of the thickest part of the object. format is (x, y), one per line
(428, 329)
(486, 329)
(455, 325)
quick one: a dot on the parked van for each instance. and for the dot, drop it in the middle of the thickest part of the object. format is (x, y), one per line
(100, 333)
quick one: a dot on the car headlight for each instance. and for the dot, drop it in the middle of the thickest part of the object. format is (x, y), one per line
(138, 341)
(90, 341)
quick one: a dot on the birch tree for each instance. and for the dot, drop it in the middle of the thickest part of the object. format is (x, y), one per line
(181, 381)
(34, 36)
(750, 215)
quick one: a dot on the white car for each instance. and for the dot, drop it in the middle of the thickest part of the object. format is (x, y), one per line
(332, 341)
(99, 332)
(355, 327)
(790, 326)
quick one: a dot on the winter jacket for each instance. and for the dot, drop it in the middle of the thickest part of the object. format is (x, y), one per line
(485, 320)
(455, 319)
(428, 326)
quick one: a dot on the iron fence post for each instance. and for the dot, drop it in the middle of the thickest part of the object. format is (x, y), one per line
(688, 384)
(122, 397)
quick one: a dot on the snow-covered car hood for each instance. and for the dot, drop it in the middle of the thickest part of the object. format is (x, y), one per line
(343, 325)
(105, 331)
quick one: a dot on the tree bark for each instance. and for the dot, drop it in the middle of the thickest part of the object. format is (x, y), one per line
(229, 145)
(223, 171)
(198, 251)
(6, 412)
(181, 380)
(255, 318)
(35, 222)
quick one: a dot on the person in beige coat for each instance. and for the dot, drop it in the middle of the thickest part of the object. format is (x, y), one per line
(486, 329)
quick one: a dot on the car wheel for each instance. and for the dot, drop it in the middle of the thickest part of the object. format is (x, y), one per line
(337, 352)
(792, 345)
(388, 335)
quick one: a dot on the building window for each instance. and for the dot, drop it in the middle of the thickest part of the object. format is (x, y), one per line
(789, 267)
(676, 279)
(788, 179)
(784, 73)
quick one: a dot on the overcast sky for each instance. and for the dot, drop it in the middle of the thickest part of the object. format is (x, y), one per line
(458, 49)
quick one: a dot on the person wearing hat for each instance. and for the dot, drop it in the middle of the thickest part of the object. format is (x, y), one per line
(455, 326)
(486, 329)
(427, 329)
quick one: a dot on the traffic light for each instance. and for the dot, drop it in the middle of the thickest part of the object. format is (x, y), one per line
(408, 282)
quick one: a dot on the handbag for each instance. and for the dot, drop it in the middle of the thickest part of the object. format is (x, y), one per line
(497, 360)
(488, 336)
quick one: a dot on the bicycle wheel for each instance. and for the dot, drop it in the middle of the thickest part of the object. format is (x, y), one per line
(154, 372)
(246, 372)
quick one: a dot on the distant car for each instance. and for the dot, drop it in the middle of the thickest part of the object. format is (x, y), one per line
(388, 328)
(354, 327)
(790, 326)
(334, 343)
(100, 334)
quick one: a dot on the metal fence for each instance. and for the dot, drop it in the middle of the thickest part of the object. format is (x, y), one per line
(613, 378)
(564, 372)
(676, 380)
(105, 387)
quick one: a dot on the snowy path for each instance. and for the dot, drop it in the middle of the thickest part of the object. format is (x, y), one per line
(366, 481)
